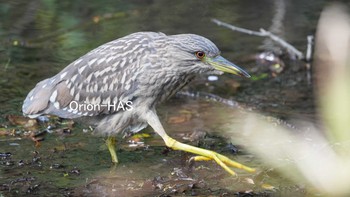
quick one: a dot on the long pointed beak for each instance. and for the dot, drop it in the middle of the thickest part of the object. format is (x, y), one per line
(222, 64)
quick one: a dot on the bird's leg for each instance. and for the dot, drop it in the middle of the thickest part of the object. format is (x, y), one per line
(222, 160)
(204, 154)
(110, 142)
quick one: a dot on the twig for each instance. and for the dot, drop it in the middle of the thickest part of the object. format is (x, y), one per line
(310, 42)
(263, 33)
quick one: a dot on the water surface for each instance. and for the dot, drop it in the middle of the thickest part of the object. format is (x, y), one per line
(41, 37)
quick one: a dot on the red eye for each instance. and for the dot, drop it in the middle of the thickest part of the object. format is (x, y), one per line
(200, 54)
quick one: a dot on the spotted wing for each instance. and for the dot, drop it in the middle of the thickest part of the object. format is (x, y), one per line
(101, 82)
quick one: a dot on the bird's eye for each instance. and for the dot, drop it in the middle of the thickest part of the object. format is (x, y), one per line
(200, 54)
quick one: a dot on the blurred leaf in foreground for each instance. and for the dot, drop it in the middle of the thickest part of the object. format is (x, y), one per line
(333, 71)
(319, 157)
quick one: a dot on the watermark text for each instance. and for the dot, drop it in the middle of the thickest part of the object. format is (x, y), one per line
(115, 106)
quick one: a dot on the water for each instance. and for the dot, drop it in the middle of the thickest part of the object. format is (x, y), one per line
(39, 38)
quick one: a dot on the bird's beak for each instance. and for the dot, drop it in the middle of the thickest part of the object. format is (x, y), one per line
(222, 64)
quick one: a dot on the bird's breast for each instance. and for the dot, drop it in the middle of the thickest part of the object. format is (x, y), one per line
(173, 85)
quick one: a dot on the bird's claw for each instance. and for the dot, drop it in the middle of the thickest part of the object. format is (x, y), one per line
(206, 155)
(223, 161)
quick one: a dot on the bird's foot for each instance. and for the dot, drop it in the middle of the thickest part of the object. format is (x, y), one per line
(224, 162)
(206, 155)
(110, 142)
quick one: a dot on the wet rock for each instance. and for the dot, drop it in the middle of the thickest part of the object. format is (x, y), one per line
(9, 163)
(36, 159)
(33, 188)
(194, 136)
(5, 155)
(56, 166)
(37, 136)
(63, 131)
(231, 148)
(43, 119)
(75, 171)
(20, 163)
(23, 179)
(178, 172)
(4, 187)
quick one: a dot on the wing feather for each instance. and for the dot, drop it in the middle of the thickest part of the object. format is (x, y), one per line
(105, 75)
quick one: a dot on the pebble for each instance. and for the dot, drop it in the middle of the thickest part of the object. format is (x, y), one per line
(213, 78)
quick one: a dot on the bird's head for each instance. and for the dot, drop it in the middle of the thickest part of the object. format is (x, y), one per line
(198, 54)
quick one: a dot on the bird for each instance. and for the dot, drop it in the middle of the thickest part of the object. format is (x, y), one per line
(120, 83)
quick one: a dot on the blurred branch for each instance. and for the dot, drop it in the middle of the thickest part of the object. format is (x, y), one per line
(308, 58)
(310, 42)
(263, 33)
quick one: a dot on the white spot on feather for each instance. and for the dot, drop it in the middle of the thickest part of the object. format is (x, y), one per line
(115, 80)
(88, 79)
(91, 62)
(123, 79)
(78, 61)
(98, 100)
(122, 64)
(77, 97)
(97, 73)
(56, 105)
(74, 78)
(80, 70)
(115, 65)
(53, 96)
(71, 92)
(111, 86)
(95, 87)
(105, 87)
(106, 70)
(107, 100)
(63, 75)
(109, 59)
(69, 85)
(105, 79)
(127, 87)
(101, 60)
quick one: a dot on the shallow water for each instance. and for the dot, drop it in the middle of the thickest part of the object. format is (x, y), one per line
(39, 38)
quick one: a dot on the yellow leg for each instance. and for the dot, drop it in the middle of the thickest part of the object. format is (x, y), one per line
(206, 155)
(224, 162)
(110, 142)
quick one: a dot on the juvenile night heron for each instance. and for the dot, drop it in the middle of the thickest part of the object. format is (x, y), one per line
(125, 79)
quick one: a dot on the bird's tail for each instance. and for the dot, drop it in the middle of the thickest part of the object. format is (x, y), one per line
(38, 99)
